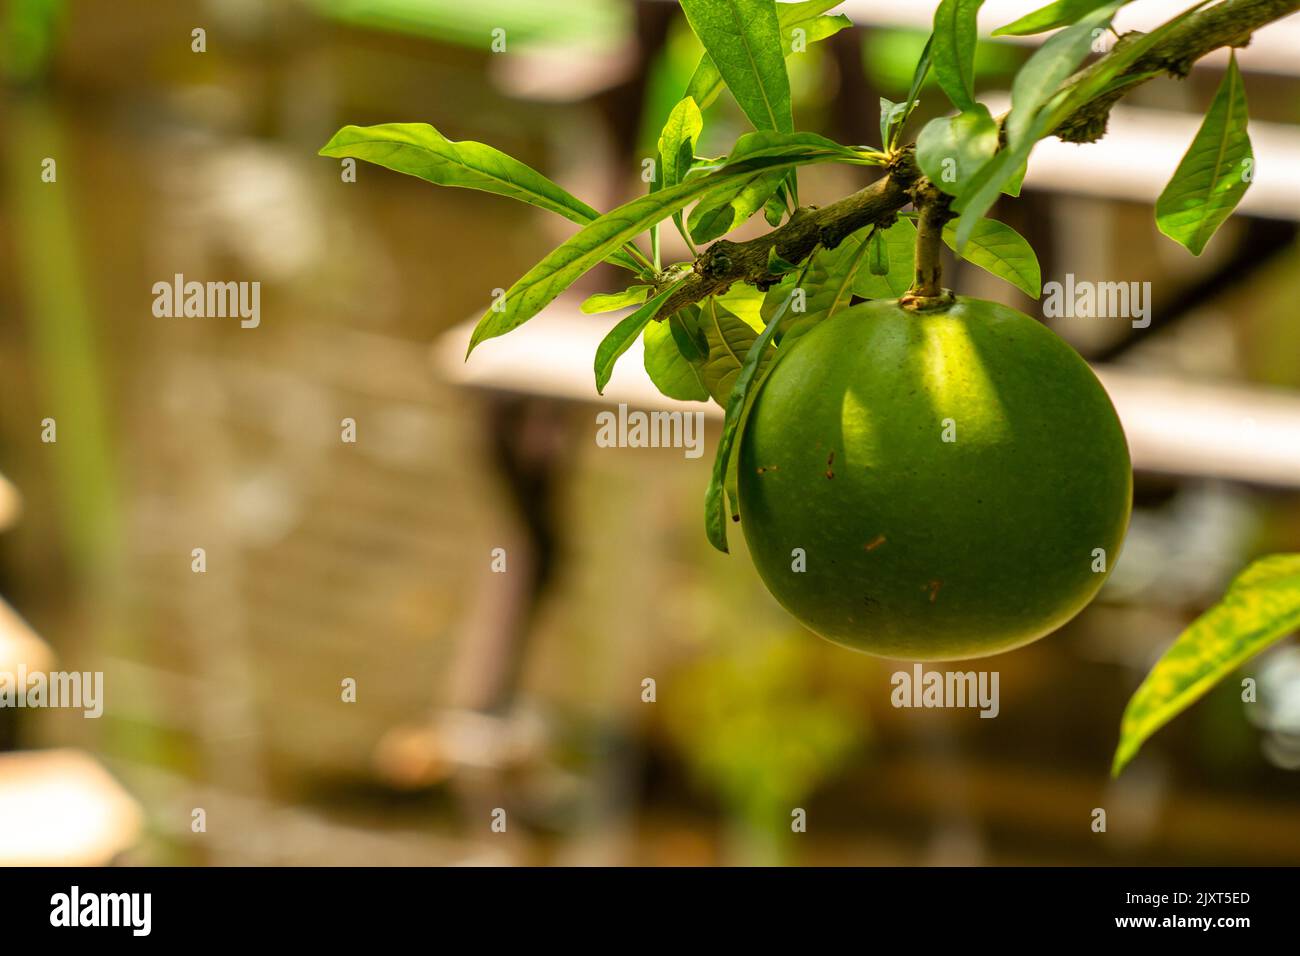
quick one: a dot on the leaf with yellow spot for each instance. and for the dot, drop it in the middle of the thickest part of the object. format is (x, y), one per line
(1261, 606)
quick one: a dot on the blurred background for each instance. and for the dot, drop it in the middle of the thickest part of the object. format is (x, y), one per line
(348, 681)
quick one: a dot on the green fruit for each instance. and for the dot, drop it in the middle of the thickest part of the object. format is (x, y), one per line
(948, 475)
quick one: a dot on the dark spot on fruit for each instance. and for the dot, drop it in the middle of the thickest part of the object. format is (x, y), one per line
(933, 587)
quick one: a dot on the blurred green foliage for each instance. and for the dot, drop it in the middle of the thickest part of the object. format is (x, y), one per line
(762, 724)
(595, 23)
(27, 32)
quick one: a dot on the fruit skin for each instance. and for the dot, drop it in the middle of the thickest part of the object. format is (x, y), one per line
(916, 547)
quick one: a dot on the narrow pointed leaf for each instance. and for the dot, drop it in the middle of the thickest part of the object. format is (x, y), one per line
(756, 360)
(718, 214)
(569, 261)
(744, 39)
(624, 334)
(613, 301)
(677, 147)
(922, 70)
(1214, 173)
(1261, 606)
(418, 149)
(682, 128)
(1059, 14)
(706, 82)
(952, 50)
(1006, 169)
(891, 114)
(1043, 73)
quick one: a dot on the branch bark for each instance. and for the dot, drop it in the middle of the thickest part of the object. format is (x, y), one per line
(1227, 23)
(726, 262)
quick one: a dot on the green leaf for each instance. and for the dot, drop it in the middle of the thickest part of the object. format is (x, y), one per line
(950, 149)
(775, 208)
(776, 265)
(900, 238)
(989, 182)
(1005, 170)
(1261, 606)
(1012, 186)
(706, 82)
(998, 249)
(891, 114)
(1214, 173)
(746, 302)
(919, 74)
(1043, 73)
(1109, 69)
(755, 362)
(826, 285)
(680, 134)
(590, 245)
(744, 39)
(613, 301)
(718, 214)
(952, 50)
(677, 147)
(689, 335)
(730, 339)
(624, 334)
(673, 374)
(1059, 14)
(878, 257)
(418, 149)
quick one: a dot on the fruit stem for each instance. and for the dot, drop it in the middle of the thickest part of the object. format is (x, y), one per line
(927, 290)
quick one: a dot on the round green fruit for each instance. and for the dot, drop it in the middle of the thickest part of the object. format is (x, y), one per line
(933, 485)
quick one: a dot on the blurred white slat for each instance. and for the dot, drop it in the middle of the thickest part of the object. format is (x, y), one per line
(1174, 426)
(1272, 50)
(1142, 148)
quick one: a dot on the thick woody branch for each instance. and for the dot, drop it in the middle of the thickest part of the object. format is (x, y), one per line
(726, 262)
(927, 291)
(1227, 23)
